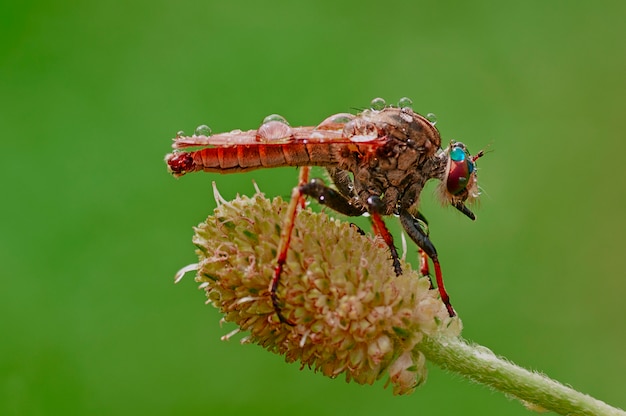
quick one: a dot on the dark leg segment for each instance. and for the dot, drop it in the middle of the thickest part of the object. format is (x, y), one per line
(333, 199)
(424, 269)
(412, 227)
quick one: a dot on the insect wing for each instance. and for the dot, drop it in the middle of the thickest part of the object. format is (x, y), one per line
(267, 136)
(278, 133)
(273, 144)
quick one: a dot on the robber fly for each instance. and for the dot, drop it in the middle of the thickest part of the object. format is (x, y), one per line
(379, 161)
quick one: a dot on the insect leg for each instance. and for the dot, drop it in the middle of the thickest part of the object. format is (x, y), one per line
(357, 228)
(414, 230)
(297, 200)
(376, 207)
(424, 269)
(342, 180)
(330, 197)
(302, 179)
(340, 203)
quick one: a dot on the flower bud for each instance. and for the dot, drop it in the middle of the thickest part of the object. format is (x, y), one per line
(351, 315)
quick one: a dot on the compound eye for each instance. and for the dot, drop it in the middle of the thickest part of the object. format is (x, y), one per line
(460, 169)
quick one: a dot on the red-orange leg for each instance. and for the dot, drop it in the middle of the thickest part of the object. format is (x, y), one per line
(302, 179)
(442, 290)
(297, 200)
(424, 269)
(412, 226)
(378, 224)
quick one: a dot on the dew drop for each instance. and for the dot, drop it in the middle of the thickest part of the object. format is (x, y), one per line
(432, 118)
(335, 122)
(180, 133)
(275, 117)
(341, 118)
(203, 130)
(274, 127)
(405, 102)
(378, 104)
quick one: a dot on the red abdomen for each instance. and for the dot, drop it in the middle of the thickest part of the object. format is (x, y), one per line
(242, 158)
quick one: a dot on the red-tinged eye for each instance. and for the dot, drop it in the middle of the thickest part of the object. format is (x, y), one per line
(460, 170)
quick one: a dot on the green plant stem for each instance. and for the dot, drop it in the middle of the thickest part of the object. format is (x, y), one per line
(535, 390)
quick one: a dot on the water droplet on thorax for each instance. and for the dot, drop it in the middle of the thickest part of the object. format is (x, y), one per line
(335, 122)
(275, 117)
(405, 102)
(432, 118)
(203, 130)
(378, 104)
(341, 118)
(180, 133)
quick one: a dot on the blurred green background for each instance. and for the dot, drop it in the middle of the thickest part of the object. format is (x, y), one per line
(93, 227)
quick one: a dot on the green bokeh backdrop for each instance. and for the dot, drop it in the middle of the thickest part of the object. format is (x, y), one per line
(93, 228)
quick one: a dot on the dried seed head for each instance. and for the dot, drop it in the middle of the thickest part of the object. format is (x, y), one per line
(352, 314)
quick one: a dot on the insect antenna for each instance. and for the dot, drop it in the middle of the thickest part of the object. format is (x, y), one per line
(482, 152)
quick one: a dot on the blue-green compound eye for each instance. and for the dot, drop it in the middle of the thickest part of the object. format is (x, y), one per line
(459, 171)
(457, 154)
(470, 166)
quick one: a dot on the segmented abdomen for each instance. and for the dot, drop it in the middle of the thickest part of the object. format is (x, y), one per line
(242, 158)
